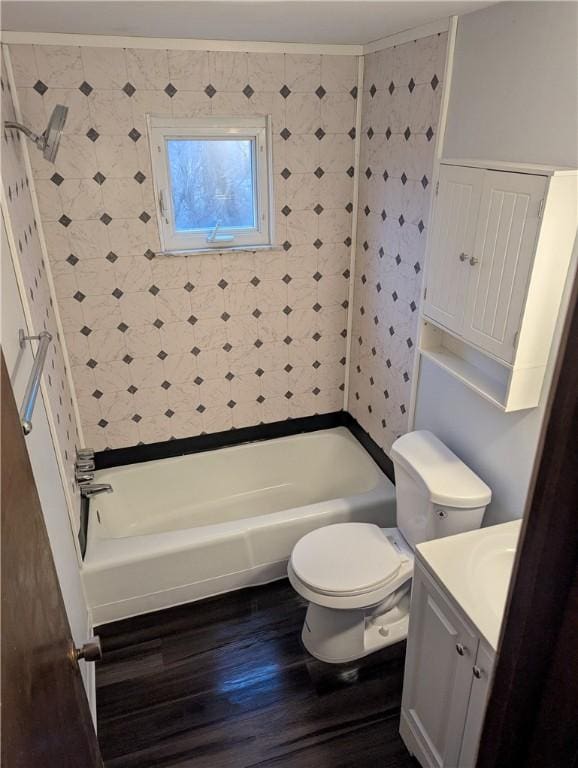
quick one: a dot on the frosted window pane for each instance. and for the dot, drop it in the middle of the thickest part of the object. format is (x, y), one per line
(211, 183)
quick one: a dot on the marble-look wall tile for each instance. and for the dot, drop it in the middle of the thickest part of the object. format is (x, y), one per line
(401, 102)
(166, 347)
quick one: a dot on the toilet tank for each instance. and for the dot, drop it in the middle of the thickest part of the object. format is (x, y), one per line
(437, 494)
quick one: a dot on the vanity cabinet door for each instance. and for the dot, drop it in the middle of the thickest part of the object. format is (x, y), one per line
(452, 242)
(441, 651)
(501, 261)
(482, 674)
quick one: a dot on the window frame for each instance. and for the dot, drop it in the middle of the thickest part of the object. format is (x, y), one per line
(256, 129)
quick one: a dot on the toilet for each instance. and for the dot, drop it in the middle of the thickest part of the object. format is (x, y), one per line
(357, 576)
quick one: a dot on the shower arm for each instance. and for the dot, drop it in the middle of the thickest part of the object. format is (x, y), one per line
(39, 140)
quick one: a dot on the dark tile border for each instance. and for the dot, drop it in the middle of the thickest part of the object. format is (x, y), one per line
(119, 457)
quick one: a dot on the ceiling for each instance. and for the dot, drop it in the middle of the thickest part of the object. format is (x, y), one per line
(299, 21)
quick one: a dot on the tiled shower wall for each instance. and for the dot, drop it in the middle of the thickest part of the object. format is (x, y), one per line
(401, 105)
(21, 219)
(167, 347)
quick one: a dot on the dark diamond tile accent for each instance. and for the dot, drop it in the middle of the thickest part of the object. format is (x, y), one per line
(170, 90)
(316, 307)
(370, 133)
(195, 351)
(158, 323)
(169, 413)
(353, 92)
(401, 220)
(106, 219)
(285, 173)
(352, 133)
(225, 316)
(317, 276)
(288, 368)
(286, 279)
(99, 177)
(285, 134)
(398, 259)
(394, 296)
(154, 290)
(79, 296)
(40, 87)
(259, 372)
(139, 176)
(320, 133)
(85, 88)
(413, 306)
(92, 363)
(287, 340)
(368, 173)
(129, 89)
(148, 254)
(403, 179)
(285, 91)
(345, 274)
(248, 91)
(188, 287)
(286, 245)
(318, 243)
(319, 172)
(229, 376)
(258, 343)
(255, 281)
(92, 134)
(407, 133)
(127, 359)
(103, 423)
(210, 90)
(391, 88)
(117, 293)
(385, 175)
(316, 336)
(420, 226)
(97, 394)
(222, 283)
(227, 347)
(434, 82)
(72, 260)
(162, 355)
(231, 404)
(136, 418)
(320, 92)
(424, 181)
(318, 209)
(350, 171)
(316, 390)
(372, 90)
(144, 217)
(64, 220)
(287, 310)
(388, 134)
(132, 389)
(57, 179)
(192, 319)
(429, 133)
(111, 256)
(288, 394)
(260, 399)
(285, 210)
(201, 408)
(316, 364)
(417, 267)
(349, 207)
(257, 313)
(383, 215)
(166, 384)
(347, 241)
(134, 134)
(367, 210)
(411, 85)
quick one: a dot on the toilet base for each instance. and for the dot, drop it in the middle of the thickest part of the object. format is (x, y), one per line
(337, 636)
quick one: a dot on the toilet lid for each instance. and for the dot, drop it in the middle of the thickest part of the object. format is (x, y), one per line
(345, 559)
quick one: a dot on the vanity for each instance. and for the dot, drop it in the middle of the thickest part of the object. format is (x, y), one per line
(458, 600)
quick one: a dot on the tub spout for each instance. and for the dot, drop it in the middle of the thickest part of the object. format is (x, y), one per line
(91, 489)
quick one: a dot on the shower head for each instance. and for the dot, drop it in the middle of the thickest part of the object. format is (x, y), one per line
(49, 141)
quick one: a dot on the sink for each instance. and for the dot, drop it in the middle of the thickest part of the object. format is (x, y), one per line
(490, 567)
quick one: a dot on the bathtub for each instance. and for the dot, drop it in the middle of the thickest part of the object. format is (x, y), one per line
(185, 528)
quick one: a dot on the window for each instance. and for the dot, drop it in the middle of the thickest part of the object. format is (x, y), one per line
(212, 181)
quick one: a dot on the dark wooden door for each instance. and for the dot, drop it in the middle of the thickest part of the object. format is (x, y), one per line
(46, 720)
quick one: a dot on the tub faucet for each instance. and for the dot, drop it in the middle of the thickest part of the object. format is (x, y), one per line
(91, 489)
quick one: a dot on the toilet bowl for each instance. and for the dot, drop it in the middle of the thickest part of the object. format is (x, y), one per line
(357, 576)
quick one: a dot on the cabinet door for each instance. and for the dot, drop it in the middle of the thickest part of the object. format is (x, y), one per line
(441, 650)
(502, 260)
(451, 245)
(477, 707)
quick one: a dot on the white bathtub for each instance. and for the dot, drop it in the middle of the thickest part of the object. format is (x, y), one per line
(185, 528)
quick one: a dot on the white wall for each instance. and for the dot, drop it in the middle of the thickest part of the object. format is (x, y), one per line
(514, 93)
(43, 460)
(513, 97)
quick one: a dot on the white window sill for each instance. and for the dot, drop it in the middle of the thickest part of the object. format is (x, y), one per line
(221, 249)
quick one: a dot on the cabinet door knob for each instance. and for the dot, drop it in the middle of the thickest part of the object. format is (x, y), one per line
(473, 261)
(460, 648)
(477, 671)
(463, 256)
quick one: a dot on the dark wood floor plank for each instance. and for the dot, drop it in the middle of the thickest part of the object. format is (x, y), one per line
(226, 683)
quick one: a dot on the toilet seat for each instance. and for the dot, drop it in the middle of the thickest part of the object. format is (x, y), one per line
(350, 565)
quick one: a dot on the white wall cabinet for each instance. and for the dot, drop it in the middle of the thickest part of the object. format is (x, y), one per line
(497, 261)
(447, 675)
